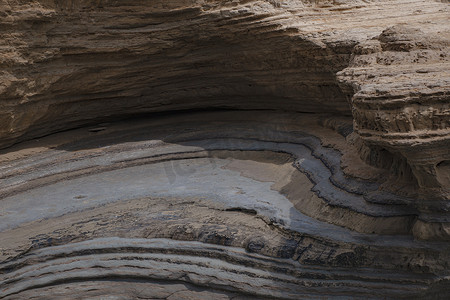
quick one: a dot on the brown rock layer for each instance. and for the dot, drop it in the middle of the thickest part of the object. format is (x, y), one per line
(285, 197)
(401, 106)
(66, 63)
(215, 204)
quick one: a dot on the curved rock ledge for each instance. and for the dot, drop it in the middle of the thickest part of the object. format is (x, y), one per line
(263, 187)
(227, 271)
(339, 194)
(66, 64)
(299, 147)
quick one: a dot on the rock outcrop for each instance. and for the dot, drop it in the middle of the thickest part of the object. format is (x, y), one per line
(401, 106)
(66, 63)
(329, 174)
(147, 201)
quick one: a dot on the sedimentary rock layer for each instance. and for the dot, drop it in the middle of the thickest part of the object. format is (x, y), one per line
(66, 63)
(69, 63)
(111, 204)
(97, 205)
(401, 106)
(230, 273)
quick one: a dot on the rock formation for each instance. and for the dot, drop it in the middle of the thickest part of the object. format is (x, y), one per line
(224, 149)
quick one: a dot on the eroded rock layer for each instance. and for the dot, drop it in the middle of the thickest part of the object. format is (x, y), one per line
(66, 63)
(147, 201)
(345, 193)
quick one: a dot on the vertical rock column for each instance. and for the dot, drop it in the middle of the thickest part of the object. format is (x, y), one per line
(401, 110)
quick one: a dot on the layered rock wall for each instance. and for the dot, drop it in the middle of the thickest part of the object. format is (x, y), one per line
(321, 167)
(69, 63)
(401, 106)
(216, 205)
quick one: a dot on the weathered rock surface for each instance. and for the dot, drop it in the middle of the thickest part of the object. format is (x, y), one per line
(65, 63)
(401, 106)
(274, 204)
(106, 203)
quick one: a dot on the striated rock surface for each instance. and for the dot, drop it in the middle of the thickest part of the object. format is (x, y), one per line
(401, 106)
(66, 63)
(214, 205)
(329, 176)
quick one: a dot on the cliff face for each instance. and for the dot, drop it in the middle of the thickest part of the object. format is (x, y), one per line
(401, 107)
(314, 66)
(68, 63)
